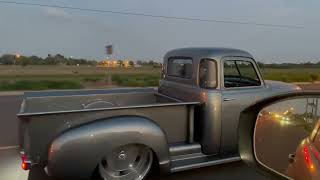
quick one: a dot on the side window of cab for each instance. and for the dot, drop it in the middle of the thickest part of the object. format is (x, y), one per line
(208, 74)
(240, 73)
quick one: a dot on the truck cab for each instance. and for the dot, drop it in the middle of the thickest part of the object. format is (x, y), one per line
(225, 81)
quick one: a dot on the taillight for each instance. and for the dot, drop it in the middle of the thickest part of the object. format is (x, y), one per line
(25, 164)
(307, 158)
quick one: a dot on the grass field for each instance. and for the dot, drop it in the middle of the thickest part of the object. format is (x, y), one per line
(292, 75)
(73, 77)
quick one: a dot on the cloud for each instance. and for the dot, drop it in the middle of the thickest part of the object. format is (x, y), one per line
(55, 12)
(67, 19)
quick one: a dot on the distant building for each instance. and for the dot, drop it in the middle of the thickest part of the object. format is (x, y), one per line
(128, 63)
(108, 64)
(115, 63)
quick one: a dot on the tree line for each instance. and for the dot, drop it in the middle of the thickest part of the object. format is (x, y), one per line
(290, 65)
(58, 59)
(10, 59)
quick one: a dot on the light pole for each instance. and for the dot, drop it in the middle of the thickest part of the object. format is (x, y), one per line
(16, 57)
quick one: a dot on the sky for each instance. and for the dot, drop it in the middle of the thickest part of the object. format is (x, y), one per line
(32, 30)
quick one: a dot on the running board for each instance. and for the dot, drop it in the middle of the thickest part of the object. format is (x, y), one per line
(200, 161)
(183, 149)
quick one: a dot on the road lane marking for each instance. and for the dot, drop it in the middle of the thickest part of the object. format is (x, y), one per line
(8, 147)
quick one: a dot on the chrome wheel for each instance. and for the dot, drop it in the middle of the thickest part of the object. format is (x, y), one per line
(131, 162)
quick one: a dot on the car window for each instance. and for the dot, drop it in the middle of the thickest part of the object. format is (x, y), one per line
(230, 68)
(240, 74)
(208, 74)
(180, 68)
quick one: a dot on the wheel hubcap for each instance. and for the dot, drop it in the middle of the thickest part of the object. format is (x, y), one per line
(127, 162)
(122, 155)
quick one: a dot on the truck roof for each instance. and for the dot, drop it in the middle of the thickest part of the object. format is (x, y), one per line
(206, 52)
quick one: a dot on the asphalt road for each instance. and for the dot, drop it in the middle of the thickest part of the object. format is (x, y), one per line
(9, 106)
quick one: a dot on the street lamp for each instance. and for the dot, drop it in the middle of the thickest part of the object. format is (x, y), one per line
(16, 57)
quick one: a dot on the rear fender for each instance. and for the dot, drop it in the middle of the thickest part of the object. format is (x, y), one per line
(76, 153)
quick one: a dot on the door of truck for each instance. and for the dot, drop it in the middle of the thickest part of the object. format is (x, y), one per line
(241, 85)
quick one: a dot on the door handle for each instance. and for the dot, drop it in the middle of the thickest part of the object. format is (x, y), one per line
(229, 99)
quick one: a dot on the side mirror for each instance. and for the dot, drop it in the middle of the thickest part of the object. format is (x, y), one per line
(284, 137)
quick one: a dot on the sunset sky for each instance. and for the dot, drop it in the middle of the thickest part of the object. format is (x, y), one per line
(34, 30)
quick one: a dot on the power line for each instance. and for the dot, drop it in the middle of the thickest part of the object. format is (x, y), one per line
(156, 16)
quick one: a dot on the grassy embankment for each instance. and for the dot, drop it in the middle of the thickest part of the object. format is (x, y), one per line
(72, 77)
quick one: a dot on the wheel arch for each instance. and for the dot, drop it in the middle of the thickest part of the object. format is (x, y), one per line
(75, 153)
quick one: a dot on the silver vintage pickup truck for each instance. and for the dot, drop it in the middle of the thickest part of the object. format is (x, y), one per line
(190, 121)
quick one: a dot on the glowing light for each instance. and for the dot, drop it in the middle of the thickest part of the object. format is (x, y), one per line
(307, 158)
(24, 166)
(281, 123)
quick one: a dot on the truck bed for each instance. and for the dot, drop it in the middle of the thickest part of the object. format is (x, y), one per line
(79, 101)
(45, 115)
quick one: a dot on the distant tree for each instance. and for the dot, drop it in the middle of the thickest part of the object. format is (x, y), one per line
(120, 63)
(7, 59)
(60, 59)
(59, 56)
(24, 61)
(50, 60)
(151, 62)
(139, 62)
(35, 60)
(260, 64)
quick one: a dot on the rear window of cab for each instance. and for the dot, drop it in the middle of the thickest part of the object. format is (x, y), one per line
(180, 67)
